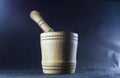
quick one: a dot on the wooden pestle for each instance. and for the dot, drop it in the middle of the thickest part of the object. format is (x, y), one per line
(35, 15)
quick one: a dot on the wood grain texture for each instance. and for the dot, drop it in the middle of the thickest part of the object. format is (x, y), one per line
(59, 52)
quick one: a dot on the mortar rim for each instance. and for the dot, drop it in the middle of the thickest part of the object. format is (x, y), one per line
(59, 33)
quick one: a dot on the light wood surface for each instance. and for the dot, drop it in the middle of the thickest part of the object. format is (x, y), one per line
(59, 52)
(35, 15)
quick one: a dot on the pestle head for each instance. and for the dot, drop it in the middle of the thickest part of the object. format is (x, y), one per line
(35, 15)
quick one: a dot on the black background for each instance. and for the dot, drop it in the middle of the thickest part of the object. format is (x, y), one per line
(97, 23)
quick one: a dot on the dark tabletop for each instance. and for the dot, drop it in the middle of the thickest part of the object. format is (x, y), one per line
(38, 74)
(81, 72)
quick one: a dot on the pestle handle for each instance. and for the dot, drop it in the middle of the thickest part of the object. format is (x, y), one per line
(35, 15)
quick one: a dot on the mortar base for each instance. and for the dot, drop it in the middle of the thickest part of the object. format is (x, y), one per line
(58, 71)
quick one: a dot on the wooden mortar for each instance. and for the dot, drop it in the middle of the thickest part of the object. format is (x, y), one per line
(59, 49)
